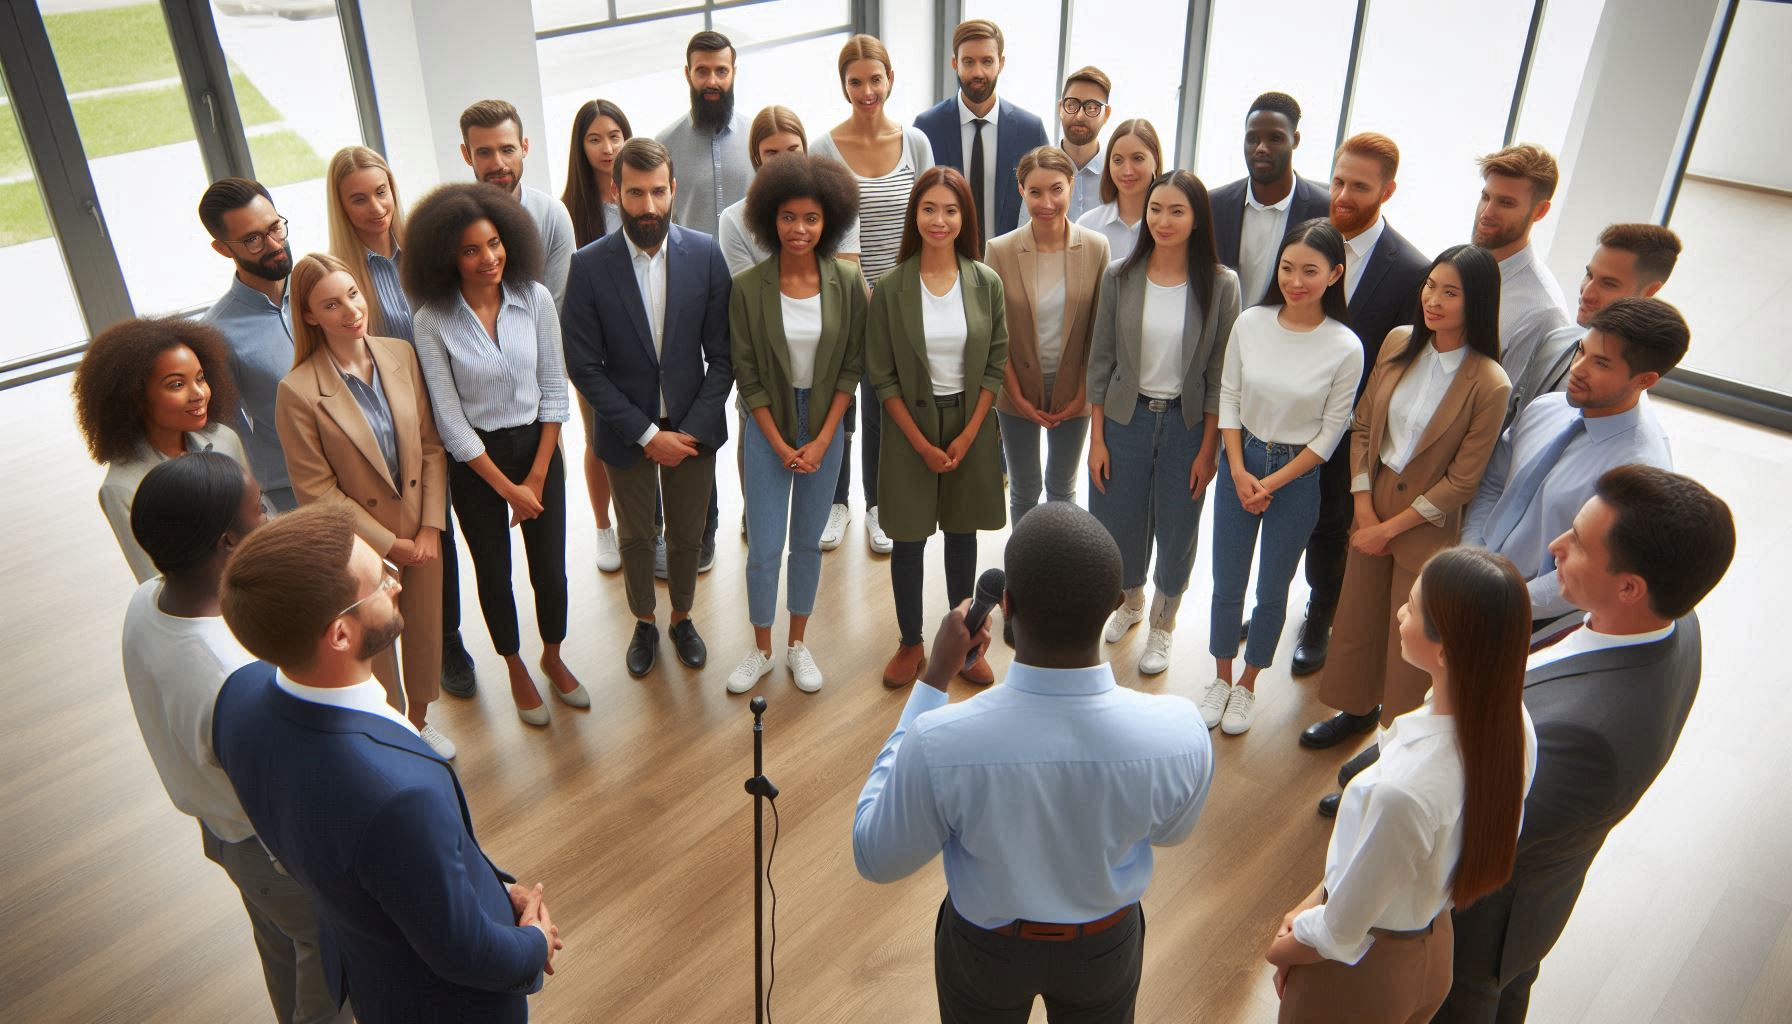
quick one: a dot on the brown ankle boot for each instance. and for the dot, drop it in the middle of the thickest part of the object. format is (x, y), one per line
(905, 666)
(978, 672)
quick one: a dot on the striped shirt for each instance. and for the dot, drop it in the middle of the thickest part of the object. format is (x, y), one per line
(883, 201)
(395, 308)
(371, 397)
(478, 384)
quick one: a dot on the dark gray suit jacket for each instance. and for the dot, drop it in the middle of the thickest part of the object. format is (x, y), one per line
(1310, 200)
(1548, 369)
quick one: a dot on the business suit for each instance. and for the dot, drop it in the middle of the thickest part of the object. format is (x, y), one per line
(1386, 297)
(1016, 132)
(1310, 200)
(1547, 370)
(611, 357)
(1444, 469)
(414, 922)
(1607, 721)
(333, 456)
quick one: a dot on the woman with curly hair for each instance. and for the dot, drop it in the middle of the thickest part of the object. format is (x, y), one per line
(797, 327)
(488, 339)
(147, 391)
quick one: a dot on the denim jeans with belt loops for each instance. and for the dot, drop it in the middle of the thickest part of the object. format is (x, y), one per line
(1285, 525)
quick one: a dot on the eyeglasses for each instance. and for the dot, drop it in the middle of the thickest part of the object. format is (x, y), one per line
(1090, 108)
(388, 580)
(255, 243)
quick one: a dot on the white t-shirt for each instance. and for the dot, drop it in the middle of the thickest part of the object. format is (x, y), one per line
(943, 325)
(173, 669)
(802, 333)
(1048, 311)
(1160, 342)
(1290, 387)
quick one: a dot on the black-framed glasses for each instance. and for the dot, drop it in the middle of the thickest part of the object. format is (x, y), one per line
(388, 580)
(255, 243)
(1090, 108)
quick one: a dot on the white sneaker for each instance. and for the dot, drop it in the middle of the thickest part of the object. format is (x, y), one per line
(802, 666)
(1124, 618)
(609, 552)
(874, 534)
(438, 742)
(1213, 702)
(1157, 653)
(835, 532)
(751, 669)
(1241, 711)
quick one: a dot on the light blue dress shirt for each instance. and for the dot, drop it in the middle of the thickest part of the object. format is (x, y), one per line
(476, 383)
(1046, 793)
(395, 307)
(260, 337)
(713, 170)
(1629, 437)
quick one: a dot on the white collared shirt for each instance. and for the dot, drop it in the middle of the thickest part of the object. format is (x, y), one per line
(1415, 400)
(1587, 640)
(1121, 236)
(650, 278)
(1259, 238)
(1531, 307)
(1356, 255)
(966, 133)
(367, 696)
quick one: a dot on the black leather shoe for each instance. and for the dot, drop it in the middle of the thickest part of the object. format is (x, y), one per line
(1354, 767)
(1315, 639)
(1338, 728)
(643, 647)
(457, 667)
(1328, 805)
(689, 645)
(1244, 631)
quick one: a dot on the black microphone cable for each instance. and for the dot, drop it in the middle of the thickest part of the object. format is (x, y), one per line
(772, 959)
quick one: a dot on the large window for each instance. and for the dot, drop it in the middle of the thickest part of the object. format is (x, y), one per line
(30, 259)
(1151, 89)
(1030, 46)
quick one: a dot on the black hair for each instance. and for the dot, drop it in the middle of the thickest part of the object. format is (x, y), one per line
(1064, 577)
(1652, 335)
(184, 505)
(430, 272)
(1671, 531)
(1277, 103)
(799, 176)
(1203, 253)
(708, 42)
(583, 198)
(225, 195)
(1318, 235)
(1480, 274)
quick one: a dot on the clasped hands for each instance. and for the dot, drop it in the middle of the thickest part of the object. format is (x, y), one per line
(419, 550)
(671, 447)
(1253, 494)
(1287, 951)
(948, 460)
(532, 911)
(806, 459)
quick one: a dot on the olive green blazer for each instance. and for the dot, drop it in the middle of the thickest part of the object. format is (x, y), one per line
(913, 501)
(762, 354)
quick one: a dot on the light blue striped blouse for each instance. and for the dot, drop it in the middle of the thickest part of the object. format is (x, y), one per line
(478, 384)
(395, 308)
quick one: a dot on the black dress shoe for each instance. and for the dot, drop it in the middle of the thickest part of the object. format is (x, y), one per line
(457, 667)
(1315, 639)
(1338, 728)
(689, 645)
(643, 647)
(1244, 631)
(1328, 805)
(1354, 767)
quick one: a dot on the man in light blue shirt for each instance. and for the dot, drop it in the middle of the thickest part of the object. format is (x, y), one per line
(709, 143)
(1045, 793)
(255, 317)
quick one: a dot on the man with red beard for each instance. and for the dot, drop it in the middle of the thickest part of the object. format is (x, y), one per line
(493, 144)
(709, 144)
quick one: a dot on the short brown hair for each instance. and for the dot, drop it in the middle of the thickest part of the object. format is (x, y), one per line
(974, 29)
(288, 581)
(863, 47)
(1094, 76)
(223, 196)
(1044, 158)
(489, 114)
(773, 120)
(643, 154)
(1671, 531)
(1656, 248)
(1525, 160)
(1652, 335)
(1375, 146)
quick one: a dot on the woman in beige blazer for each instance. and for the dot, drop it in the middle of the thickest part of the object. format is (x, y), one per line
(355, 425)
(1051, 274)
(1424, 429)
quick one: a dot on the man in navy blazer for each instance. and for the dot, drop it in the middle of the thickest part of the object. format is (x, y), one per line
(646, 334)
(1271, 198)
(961, 142)
(414, 923)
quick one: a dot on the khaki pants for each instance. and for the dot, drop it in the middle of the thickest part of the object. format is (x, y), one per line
(285, 932)
(686, 489)
(420, 602)
(1399, 981)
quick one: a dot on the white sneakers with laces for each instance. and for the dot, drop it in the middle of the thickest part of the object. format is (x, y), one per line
(751, 669)
(874, 534)
(802, 666)
(1157, 653)
(835, 532)
(1241, 711)
(1124, 618)
(1213, 702)
(438, 742)
(609, 551)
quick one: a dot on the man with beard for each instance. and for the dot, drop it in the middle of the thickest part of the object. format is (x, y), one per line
(710, 142)
(646, 335)
(414, 923)
(981, 135)
(1382, 275)
(1517, 184)
(254, 316)
(493, 144)
(1251, 215)
(1082, 113)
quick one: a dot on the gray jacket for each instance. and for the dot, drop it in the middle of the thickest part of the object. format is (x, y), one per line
(1114, 349)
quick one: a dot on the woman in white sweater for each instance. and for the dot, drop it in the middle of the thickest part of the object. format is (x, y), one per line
(1285, 394)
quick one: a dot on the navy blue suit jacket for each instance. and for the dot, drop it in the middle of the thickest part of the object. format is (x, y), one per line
(609, 345)
(414, 923)
(1310, 200)
(1016, 132)
(1387, 296)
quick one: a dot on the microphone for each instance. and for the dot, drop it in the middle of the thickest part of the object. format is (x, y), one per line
(989, 594)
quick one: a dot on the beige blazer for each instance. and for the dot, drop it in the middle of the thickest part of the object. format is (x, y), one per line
(332, 454)
(1015, 260)
(1452, 453)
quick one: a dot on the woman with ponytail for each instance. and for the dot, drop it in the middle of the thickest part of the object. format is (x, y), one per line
(1434, 823)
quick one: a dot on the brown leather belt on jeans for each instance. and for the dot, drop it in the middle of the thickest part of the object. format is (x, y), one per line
(1039, 932)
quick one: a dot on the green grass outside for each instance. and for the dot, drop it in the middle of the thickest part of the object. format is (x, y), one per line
(22, 216)
(282, 158)
(119, 46)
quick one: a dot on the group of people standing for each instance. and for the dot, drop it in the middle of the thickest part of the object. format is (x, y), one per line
(1351, 404)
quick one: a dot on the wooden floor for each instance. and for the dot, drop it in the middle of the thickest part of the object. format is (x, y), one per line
(634, 817)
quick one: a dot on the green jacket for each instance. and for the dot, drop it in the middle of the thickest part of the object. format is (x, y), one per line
(762, 355)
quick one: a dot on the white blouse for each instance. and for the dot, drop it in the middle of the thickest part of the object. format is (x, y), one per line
(1414, 400)
(1160, 340)
(1397, 840)
(1048, 310)
(802, 333)
(1121, 236)
(1290, 387)
(943, 325)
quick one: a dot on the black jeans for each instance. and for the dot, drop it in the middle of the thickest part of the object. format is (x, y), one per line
(908, 574)
(1329, 546)
(985, 978)
(485, 520)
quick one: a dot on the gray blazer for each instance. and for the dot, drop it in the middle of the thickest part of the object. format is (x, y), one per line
(1119, 327)
(1548, 369)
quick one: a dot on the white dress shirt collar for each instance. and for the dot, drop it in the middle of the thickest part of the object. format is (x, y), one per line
(1363, 245)
(966, 115)
(1517, 262)
(1280, 206)
(1587, 640)
(1060, 682)
(367, 696)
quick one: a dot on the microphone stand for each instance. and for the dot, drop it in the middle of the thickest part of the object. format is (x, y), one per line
(762, 789)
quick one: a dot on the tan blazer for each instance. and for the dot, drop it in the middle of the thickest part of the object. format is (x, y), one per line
(1452, 453)
(332, 455)
(1014, 259)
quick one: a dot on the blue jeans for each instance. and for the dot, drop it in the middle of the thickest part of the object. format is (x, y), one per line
(1147, 495)
(1064, 456)
(1286, 525)
(774, 494)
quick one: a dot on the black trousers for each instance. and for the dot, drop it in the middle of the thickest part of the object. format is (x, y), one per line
(985, 978)
(485, 519)
(908, 573)
(450, 575)
(1329, 546)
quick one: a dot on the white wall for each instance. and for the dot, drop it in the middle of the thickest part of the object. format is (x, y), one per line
(1743, 136)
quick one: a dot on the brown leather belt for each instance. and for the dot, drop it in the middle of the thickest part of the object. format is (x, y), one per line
(1040, 932)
